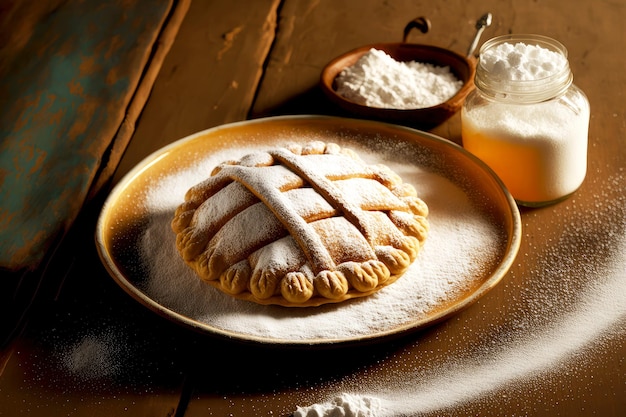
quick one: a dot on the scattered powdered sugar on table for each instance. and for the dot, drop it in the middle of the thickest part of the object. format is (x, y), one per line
(378, 80)
(459, 248)
(456, 383)
(344, 405)
(585, 319)
(94, 355)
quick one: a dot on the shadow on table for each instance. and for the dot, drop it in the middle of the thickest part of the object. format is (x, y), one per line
(92, 337)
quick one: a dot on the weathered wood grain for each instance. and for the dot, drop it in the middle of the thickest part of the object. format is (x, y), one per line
(71, 73)
(237, 59)
(210, 76)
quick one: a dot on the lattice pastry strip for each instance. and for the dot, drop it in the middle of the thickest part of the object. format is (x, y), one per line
(300, 226)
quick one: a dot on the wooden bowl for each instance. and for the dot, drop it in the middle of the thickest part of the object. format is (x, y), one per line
(462, 67)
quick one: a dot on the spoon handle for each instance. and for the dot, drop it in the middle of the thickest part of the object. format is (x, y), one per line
(481, 24)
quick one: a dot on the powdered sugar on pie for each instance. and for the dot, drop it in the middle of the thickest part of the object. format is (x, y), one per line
(300, 226)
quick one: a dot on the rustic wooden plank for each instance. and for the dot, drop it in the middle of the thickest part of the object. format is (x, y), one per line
(127, 129)
(66, 87)
(210, 75)
(92, 151)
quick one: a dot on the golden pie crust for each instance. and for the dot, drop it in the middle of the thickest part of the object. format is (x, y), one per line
(300, 225)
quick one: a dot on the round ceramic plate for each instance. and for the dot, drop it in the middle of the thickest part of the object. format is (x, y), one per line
(474, 236)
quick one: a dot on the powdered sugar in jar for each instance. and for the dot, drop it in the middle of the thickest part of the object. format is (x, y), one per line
(526, 119)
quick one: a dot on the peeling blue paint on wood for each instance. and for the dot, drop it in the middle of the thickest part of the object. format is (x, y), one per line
(60, 107)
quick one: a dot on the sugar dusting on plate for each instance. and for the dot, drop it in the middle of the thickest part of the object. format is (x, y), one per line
(458, 252)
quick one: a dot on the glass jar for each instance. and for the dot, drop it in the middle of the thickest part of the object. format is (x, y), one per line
(527, 120)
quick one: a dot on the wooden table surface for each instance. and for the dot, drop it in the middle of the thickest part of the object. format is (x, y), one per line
(547, 341)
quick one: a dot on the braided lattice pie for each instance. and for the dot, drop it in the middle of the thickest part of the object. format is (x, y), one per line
(300, 226)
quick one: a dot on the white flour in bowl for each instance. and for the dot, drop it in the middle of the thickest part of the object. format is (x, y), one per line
(378, 80)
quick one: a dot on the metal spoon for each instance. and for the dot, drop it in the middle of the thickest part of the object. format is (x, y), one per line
(481, 24)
